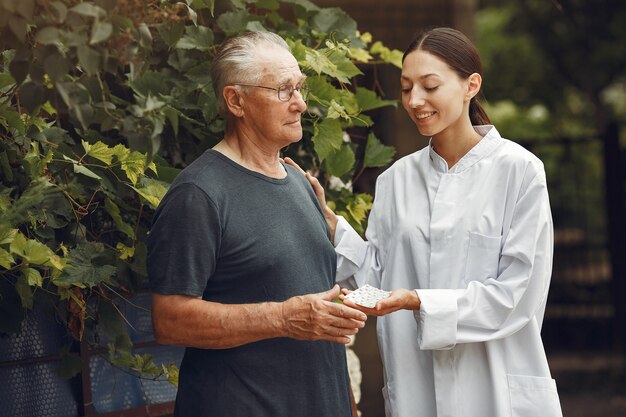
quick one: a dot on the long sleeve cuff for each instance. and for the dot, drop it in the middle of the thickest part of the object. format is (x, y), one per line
(351, 249)
(437, 318)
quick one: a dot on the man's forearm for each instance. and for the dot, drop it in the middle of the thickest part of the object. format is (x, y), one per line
(193, 322)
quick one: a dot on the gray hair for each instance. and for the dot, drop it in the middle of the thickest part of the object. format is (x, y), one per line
(237, 60)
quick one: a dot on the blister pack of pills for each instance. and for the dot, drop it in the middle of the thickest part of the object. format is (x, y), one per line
(367, 296)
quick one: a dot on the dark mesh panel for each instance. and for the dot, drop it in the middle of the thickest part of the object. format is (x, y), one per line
(113, 389)
(137, 312)
(41, 335)
(35, 390)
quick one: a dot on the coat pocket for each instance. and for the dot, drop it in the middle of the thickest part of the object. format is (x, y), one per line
(483, 256)
(533, 396)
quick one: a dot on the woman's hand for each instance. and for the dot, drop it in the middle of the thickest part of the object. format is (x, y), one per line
(400, 299)
(329, 215)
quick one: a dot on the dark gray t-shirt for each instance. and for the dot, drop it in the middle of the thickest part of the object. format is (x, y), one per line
(234, 236)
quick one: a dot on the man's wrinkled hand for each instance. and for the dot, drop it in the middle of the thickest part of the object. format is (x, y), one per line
(317, 317)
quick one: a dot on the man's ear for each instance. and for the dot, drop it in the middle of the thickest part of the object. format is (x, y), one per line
(474, 81)
(233, 100)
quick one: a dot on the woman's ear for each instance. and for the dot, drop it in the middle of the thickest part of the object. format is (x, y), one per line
(474, 81)
(233, 100)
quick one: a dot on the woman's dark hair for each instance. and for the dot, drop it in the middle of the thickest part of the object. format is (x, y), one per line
(456, 50)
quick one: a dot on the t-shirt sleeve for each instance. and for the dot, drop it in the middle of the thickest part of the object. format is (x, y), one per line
(183, 243)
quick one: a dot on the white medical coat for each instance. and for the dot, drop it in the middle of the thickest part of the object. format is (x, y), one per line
(476, 243)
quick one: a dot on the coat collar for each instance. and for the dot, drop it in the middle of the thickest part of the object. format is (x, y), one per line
(490, 141)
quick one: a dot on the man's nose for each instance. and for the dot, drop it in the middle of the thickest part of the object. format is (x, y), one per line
(298, 101)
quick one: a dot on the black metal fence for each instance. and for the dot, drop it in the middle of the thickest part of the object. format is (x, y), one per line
(580, 311)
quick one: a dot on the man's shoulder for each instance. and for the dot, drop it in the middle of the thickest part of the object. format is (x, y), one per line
(208, 173)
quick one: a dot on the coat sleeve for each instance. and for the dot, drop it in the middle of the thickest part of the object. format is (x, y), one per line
(358, 260)
(497, 308)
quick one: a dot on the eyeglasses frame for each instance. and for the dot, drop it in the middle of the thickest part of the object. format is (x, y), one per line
(285, 87)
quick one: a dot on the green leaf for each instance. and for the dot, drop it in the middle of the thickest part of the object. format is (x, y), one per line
(24, 291)
(85, 266)
(256, 26)
(341, 162)
(327, 138)
(343, 69)
(391, 56)
(204, 4)
(377, 154)
(306, 4)
(336, 110)
(319, 62)
(152, 191)
(13, 120)
(89, 9)
(6, 80)
(19, 27)
(360, 55)
(359, 205)
(200, 37)
(335, 20)
(59, 11)
(7, 234)
(19, 69)
(34, 252)
(172, 115)
(101, 31)
(267, 4)
(89, 59)
(100, 151)
(320, 89)
(48, 35)
(81, 169)
(31, 96)
(6, 260)
(125, 252)
(56, 66)
(145, 36)
(25, 8)
(368, 100)
(134, 165)
(170, 33)
(232, 22)
(171, 373)
(114, 212)
(32, 277)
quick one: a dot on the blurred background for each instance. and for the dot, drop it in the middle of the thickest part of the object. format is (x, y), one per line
(554, 80)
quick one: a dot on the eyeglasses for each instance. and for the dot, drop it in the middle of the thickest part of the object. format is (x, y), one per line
(285, 91)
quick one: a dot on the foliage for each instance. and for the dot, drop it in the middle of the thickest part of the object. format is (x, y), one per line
(564, 61)
(103, 102)
(555, 76)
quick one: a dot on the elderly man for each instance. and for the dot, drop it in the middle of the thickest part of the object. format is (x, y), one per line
(240, 262)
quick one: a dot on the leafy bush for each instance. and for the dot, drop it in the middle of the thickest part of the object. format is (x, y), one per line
(103, 102)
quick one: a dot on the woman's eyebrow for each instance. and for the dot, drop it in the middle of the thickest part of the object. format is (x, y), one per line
(404, 77)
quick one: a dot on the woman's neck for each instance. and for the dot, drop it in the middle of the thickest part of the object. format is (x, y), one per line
(452, 145)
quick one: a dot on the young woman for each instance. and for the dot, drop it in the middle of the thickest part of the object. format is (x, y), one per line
(461, 231)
